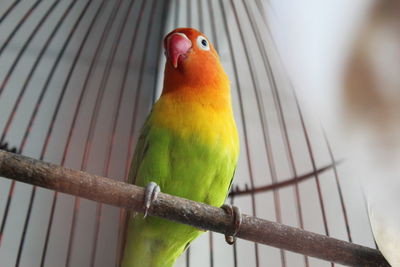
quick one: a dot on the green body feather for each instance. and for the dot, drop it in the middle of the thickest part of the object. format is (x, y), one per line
(181, 166)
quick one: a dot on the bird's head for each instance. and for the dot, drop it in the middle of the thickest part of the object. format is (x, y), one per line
(192, 61)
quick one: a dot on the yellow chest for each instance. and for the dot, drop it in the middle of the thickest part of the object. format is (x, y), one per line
(191, 119)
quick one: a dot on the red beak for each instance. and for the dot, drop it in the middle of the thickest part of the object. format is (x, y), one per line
(177, 45)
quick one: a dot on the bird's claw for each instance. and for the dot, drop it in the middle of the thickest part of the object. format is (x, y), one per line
(151, 192)
(234, 212)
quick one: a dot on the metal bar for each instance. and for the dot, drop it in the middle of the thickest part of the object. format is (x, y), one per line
(211, 244)
(261, 10)
(49, 40)
(346, 220)
(177, 9)
(138, 90)
(55, 115)
(9, 10)
(267, 141)
(166, 8)
(334, 164)
(112, 192)
(214, 40)
(83, 91)
(281, 117)
(237, 191)
(21, 94)
(240, 97)
(314, 167)
(188, 14)
(213, 25)
(265, 125)
(189, 24)
(27, 42)
(201, 20)
(93, 122)
(121, 226)
(114, 125)
(33, 116)
(18, 26)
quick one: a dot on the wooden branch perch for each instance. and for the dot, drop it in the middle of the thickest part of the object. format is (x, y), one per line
(97, 188)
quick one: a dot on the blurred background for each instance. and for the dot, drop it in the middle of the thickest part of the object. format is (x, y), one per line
(78, 78)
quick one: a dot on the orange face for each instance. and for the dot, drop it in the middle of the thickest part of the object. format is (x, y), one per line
(191, 60)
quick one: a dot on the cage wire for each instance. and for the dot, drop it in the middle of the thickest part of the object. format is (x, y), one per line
(77, 80)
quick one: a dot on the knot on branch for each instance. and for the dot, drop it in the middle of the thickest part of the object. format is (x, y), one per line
(6, 147)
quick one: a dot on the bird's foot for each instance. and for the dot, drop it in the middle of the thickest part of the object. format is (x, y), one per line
(234, 212)
(151, 192)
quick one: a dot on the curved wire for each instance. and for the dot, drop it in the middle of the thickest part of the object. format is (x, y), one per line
(18, 26)
(9, 10)
(245, 128)
(26, 44)
(117, 108)
(11, 117)
(279, 185)
(55, 115)
(92, 125)
(33, 116)
(344, 211)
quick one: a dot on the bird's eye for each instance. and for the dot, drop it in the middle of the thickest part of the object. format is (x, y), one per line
(202, 43)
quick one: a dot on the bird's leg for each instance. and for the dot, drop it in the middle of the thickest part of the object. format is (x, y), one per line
(234, 212)
(151, 192)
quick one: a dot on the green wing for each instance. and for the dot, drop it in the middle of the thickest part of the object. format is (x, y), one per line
(140, 151)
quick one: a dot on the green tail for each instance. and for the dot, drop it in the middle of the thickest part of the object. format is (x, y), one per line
(154, 242)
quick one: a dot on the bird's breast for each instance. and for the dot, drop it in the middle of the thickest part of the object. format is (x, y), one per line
(198, 122)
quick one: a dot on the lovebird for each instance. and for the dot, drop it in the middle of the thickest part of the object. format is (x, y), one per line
(188, 147)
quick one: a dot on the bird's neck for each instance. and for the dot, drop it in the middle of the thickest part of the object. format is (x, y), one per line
(212, 93)
(209, 81)
(203, 114)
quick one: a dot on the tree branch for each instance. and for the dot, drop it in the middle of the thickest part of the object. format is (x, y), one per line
(97, 188)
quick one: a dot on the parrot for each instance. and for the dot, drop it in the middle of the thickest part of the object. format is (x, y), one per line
(188, 147)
